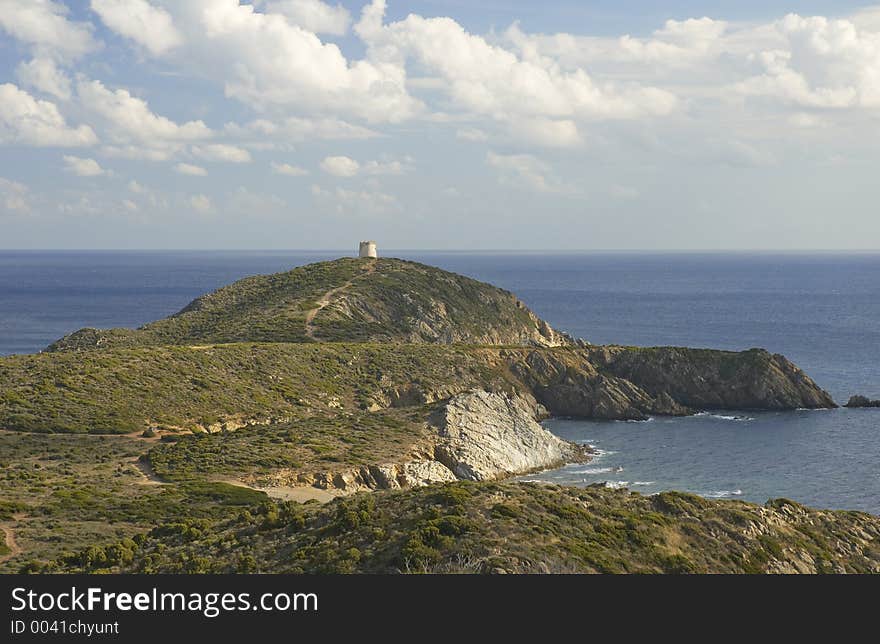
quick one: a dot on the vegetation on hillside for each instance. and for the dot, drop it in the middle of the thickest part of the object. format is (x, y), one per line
(504, 527)
(366, 301)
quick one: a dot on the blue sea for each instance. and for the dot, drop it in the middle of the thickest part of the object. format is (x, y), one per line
(820, 310)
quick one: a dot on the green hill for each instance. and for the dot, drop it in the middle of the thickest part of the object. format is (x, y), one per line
(346, 300)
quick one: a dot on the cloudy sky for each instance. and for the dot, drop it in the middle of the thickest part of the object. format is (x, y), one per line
(484, 124)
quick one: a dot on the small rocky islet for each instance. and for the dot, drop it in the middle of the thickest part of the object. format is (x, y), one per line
(861, 401)
(391, 377)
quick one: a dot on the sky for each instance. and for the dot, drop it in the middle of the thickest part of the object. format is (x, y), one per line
(449, 125)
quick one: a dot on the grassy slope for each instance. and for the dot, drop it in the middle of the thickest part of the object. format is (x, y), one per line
(65, 492)
(128, 390)
(509, 527)
(384, 300)
(125, 390)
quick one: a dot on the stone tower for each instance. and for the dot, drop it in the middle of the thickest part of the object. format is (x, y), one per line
(368, 249)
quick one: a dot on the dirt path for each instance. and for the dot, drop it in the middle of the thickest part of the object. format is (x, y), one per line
(149, 476)
(328, 297)
(300, 494)
(9, 536)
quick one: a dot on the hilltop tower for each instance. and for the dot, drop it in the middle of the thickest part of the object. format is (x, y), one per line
(368, 249)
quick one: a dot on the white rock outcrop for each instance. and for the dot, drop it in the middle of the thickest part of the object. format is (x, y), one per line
(485, 435)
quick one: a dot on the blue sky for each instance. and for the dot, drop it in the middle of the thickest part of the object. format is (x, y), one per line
(447, 125)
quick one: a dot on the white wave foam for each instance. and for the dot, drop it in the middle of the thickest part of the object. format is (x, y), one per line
(643, 482)
(616, 485)
(721, 494)
(594, 470)
(738, 419)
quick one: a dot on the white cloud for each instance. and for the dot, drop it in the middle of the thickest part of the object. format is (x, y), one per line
(383, 168)
(356, 202)
(263, 60)
(154, 151)
(340, 166)
(289, 170)
(129, 118)
(312, 15)
(298, 129)
(149, 26)
(136, 188)
(491, 80)
(471, 134)
(44, 25)
(129, 205)
(222, 152)
(193, 170)
(25, 120)
(821, 63)
(253, 204)
(14, 196)
(561, 133)
(136, 131)
(43, 74)
(201, 203)
(84, 167)
(519, 170)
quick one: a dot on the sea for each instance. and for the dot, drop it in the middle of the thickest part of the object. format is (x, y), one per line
(822, 310)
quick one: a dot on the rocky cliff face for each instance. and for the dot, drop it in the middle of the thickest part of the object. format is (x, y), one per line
(485, 436)
(476, 436)
(708, 379)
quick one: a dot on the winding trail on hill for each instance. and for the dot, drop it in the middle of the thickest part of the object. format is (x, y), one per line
(11, 543)
(328, 297)
(145, 470)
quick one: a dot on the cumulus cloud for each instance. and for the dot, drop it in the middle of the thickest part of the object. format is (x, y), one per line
(222, 152)
(44, 75)
(821, 63)
(491, 80)
(130, 118)
(289, 170)
(25, 120)
(189, 169)
(340, 166)
(313, 15)
(84, 167)
(201, 203)
(14, 196)
(44, 25)
(149, 26)
(264, 60)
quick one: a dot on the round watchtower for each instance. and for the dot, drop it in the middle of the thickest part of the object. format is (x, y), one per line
(368, 249)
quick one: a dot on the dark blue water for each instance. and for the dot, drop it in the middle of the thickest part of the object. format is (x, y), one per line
(822, 311)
